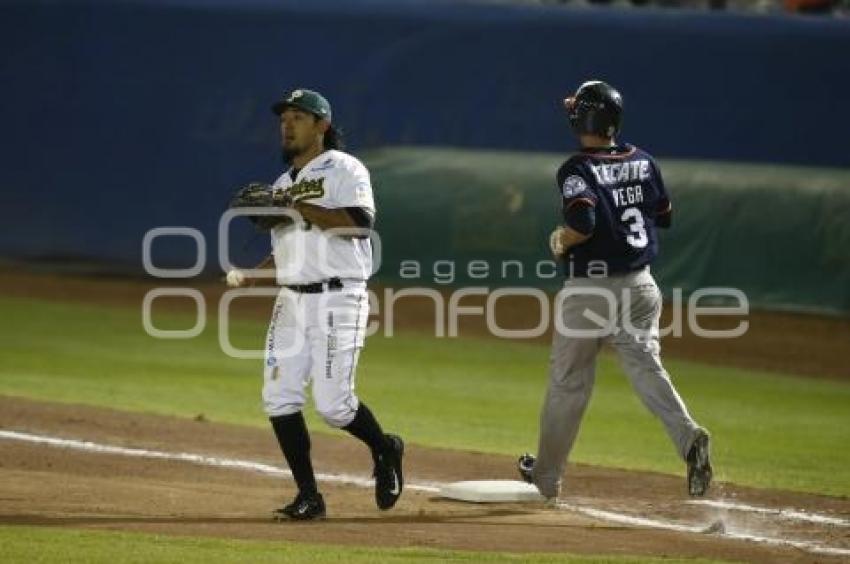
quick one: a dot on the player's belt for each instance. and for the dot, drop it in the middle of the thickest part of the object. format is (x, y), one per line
(332, 285)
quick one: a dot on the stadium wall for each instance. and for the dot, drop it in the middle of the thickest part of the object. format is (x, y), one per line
(778, 233)
(121, 116)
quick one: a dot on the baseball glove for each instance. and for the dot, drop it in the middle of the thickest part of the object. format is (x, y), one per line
(261, 195)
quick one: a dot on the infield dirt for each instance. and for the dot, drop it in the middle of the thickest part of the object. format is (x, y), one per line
(50, 486)
(57, 487)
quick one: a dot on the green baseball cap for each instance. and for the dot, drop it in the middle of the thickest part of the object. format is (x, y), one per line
(306, 100)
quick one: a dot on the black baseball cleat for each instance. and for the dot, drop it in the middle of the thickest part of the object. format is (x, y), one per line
(525, 465)
(303, 508)
(699, 465)
(389, 479)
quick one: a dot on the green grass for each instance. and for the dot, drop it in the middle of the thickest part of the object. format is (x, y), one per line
(39, 544)
(770, 430)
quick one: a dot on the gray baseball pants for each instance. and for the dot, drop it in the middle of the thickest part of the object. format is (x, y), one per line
(628, 320)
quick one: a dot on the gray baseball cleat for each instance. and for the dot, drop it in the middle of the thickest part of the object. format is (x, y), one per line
(699, 465)
(305, 507)
(525, 465)
(389, 479)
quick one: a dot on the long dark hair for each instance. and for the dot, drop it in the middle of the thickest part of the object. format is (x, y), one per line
(333, 139)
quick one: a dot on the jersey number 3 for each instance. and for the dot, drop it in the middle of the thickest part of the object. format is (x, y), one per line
(637, 237)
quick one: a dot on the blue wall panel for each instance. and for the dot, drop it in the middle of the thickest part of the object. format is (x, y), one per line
(121, 116)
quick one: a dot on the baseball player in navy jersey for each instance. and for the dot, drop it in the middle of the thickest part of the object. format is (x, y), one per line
(319, 320)
(613, 201)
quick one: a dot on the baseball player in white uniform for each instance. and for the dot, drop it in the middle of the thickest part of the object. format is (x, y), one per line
(322, 258)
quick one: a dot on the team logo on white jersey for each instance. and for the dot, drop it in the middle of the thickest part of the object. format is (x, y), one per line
(573, 186)
(308, 189)
(304, 253)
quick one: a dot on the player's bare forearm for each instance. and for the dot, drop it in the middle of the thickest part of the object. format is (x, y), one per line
(268, 278)
(265, 263)
(565, 237)
(324, 218)
(570, 237)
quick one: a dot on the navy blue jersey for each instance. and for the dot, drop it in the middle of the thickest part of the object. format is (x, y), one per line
(624, 187)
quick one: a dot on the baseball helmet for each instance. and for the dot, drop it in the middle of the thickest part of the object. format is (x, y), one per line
(595, 109)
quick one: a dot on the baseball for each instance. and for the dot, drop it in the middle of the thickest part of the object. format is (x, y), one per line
(235, 278)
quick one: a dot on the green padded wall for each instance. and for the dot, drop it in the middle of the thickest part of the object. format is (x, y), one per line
(781, 234)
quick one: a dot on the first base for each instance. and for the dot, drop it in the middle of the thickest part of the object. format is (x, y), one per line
(491, 491)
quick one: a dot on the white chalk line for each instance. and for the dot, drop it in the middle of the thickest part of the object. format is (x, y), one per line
(200, 459)
(621, 518)
(788, 514)
(429, 487)
(624, 519)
